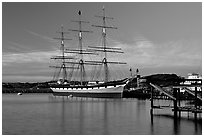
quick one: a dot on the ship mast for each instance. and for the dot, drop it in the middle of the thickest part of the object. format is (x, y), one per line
(104, 47)
(80, 51)
(63, 67)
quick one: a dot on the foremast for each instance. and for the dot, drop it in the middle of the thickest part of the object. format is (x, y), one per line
(62, 57)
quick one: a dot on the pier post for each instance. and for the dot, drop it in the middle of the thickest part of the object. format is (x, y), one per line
(179, 101)
(175, 102)
(195, 99)
(152, 101)
(152, 105)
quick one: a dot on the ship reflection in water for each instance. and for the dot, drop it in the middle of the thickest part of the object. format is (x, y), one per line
(45, 114)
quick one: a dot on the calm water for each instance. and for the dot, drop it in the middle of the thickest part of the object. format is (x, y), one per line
(33, 114)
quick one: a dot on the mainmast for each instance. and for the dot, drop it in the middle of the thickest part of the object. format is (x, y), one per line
(104, 47)
(63, 67)
(80, 51)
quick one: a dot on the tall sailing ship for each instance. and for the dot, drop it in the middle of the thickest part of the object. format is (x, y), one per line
(84, 88)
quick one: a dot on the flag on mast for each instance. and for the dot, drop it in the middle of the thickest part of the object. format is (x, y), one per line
(79, 12)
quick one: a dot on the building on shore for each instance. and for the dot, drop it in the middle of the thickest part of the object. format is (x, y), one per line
(193, 76)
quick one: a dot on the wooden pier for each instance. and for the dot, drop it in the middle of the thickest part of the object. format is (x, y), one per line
(175, 96)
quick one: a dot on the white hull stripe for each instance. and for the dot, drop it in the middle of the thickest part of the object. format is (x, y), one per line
(109, 89)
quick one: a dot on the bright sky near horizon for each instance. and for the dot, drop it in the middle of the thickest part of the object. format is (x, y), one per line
(156, 37)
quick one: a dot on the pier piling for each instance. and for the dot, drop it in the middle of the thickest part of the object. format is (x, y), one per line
(175, 102)
(196, 105)
(152, 101)
(176, 97)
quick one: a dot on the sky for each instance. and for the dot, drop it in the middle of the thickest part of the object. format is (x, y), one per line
(155, 37)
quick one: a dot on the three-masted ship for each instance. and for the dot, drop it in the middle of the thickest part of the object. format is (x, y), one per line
(83, 87)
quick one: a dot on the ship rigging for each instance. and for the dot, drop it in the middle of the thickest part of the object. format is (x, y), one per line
(106, 88)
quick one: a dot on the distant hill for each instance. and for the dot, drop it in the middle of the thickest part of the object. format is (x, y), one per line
(26, 85)
(164, 79)
(158, 79)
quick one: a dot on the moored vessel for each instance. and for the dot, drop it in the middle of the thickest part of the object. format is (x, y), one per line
(86, 88)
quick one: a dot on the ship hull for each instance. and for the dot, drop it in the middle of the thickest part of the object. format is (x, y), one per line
(96, 92)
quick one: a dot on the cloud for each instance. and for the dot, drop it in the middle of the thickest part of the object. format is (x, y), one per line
(145, 53)
(33, 66)
(51, 40)
(14, 47)
(38, 56)
(179, 55)
(17, 46)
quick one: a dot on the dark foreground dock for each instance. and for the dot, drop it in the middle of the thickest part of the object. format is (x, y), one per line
(177, 108)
